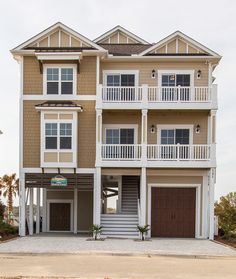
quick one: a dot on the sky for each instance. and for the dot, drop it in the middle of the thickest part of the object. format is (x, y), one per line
(211, 22)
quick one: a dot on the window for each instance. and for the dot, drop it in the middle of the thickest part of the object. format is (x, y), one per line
(175, 136)
(120, 80)
(60, 80)
(55, 140)
(51, 136)
(170, 87)
(120, 136)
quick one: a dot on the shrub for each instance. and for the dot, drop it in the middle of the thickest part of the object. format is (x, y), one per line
(96, 230)
(225, 209)
(143, 231)
(6, 228)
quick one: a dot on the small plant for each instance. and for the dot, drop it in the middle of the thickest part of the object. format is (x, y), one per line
(143, 231)
(96, 230)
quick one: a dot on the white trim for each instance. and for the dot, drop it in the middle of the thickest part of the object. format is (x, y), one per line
(174, 127)
(122, 30)
(59, 66)
(50, 30)
(45, 97)
(62, 170)
(175, 72)
(119, 126)
(48, 212)
(182, 185)
(186, 38)
(120, 72)
(59, 56)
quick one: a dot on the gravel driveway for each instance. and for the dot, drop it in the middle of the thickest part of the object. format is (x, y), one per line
(75, 244)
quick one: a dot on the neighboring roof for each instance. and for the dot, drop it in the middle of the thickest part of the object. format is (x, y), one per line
(123, 30)
(125, 49)
(183, 36)
(59, 104)
(50, 30)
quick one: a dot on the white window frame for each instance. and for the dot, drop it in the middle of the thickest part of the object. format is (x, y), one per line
(60, 66)
(121, 126)
(175, 72)
(73, 149)
(174, 127)
(120, 72)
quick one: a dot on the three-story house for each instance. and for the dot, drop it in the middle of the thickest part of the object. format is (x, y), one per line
(118, 132)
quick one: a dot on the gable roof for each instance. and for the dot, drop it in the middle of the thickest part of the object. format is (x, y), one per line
(187, 39)
(121, 29)
(50, 30)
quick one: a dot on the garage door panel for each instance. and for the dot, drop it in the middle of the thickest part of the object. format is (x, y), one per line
(173, 212)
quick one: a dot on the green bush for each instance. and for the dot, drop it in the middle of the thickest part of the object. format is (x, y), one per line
(225, 209)
(6, 229)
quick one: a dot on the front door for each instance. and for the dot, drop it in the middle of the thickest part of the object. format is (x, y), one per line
(60, 216)
(173, 212)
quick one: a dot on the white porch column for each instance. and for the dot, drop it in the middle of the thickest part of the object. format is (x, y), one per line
(31, 212)
(98, 136)
(75, 210)
(143, 190)
(97, 197)
(144, 136)
(22, 214)
(205, 206)
(211, 203)
(44, 226)
(38, 211)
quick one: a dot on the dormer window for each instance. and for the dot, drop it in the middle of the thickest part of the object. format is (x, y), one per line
(60, 80)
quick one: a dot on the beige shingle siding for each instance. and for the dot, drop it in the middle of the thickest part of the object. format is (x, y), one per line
(33, 80)
(179, 118)
(31, 135)
(145, 69)
(86, 79)
(86, 135)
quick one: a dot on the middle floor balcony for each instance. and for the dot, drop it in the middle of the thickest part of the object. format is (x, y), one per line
(154, 97)
(156, 155)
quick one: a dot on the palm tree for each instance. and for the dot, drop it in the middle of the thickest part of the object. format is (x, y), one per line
(10, 186)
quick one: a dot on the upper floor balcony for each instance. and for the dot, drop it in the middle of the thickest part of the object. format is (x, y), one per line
(154, 97)
(157, 155)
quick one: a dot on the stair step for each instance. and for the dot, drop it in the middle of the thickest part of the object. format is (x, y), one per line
(120, 233)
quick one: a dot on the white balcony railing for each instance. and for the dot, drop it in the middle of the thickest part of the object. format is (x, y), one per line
(151, 94)
(133, 152)
(179, 94)
(179, 152)
(121, 152)
(122, 94)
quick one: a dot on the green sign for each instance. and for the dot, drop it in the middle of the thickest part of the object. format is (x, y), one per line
(59, 180)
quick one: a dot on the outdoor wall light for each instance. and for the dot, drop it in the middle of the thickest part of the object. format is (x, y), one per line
(153, 74)
(199, 74)
(153, 129)
(197, 129)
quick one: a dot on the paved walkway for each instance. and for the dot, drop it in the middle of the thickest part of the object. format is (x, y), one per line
(79, 245)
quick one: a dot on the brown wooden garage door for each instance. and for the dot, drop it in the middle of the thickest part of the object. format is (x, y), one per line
(60, 216)
(173, 212)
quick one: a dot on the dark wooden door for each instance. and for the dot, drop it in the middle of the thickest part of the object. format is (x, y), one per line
(60, 216)
(173, 212)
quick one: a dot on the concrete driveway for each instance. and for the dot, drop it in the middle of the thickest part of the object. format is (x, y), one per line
(51, 243)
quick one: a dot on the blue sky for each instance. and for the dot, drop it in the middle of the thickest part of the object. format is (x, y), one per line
(213, 23)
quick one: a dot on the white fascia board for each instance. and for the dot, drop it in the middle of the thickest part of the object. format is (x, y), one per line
(187, 38)
(50, 29)
(58, 56)
(123, 30)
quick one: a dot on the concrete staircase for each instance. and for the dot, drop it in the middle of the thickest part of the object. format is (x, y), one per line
(119, 225)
